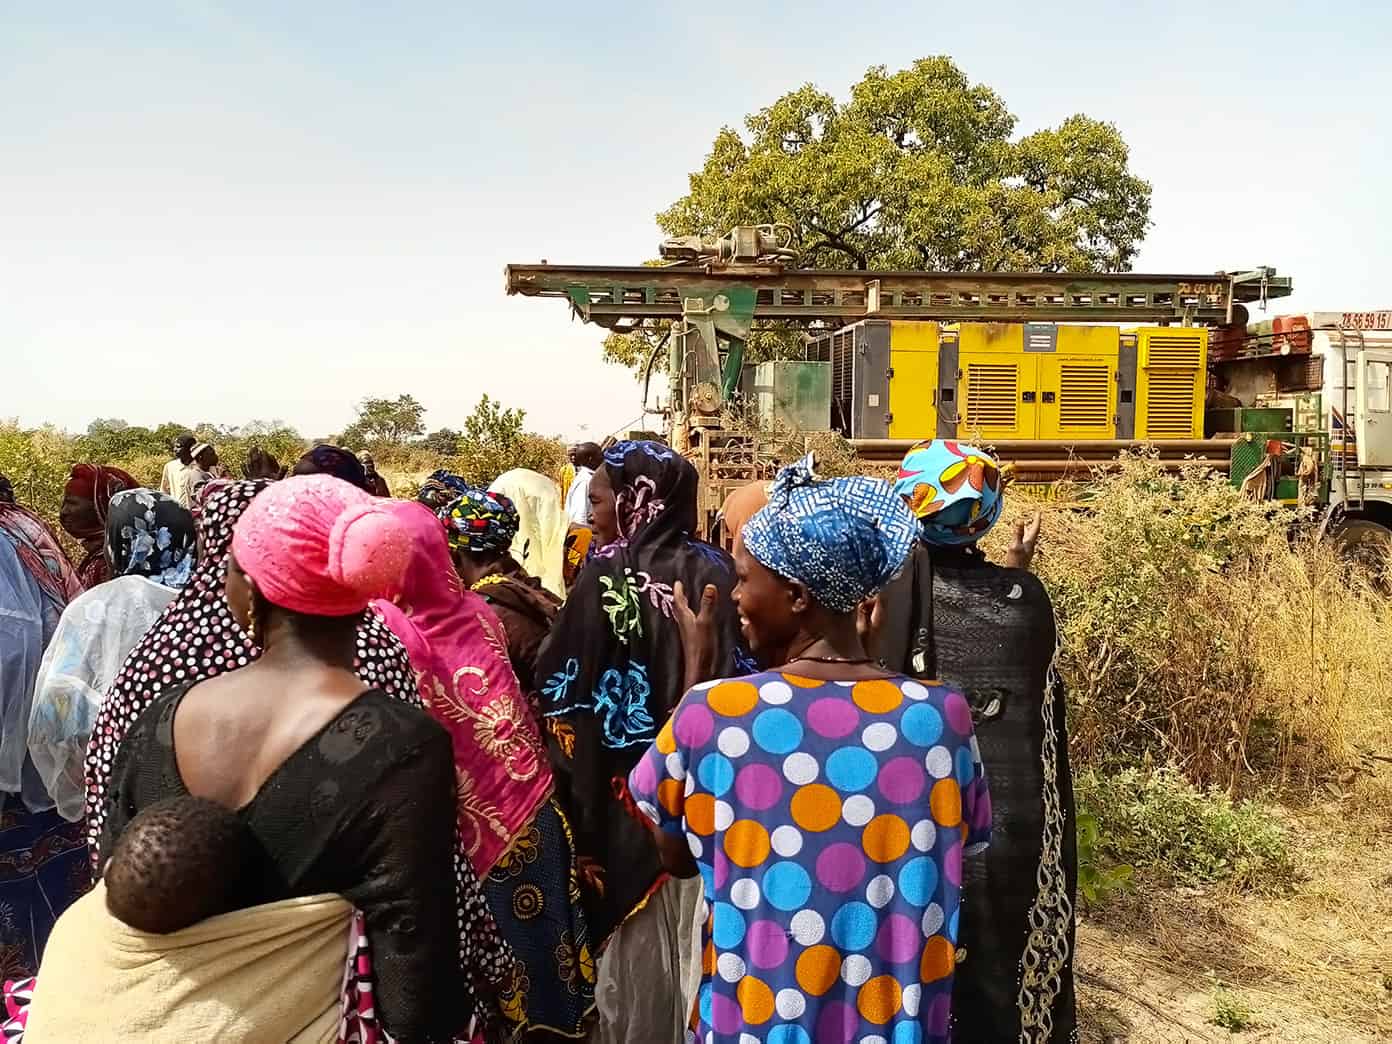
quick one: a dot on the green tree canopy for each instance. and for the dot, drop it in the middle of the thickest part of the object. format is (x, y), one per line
(390, 422)
(918, 169)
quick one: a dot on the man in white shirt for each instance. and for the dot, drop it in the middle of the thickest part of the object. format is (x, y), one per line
(174, 479)
(586, 457)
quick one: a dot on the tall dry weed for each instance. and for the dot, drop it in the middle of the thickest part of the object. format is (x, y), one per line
(1204, 631)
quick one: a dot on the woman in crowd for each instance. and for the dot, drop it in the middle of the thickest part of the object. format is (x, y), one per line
(38, 548)
(740, 506)
(348, 791)
(481, 527)
(151, 548)
(331, 460)
(41, 855)
(541, 525)
(197, 638)
(440, 488)
(86, 501)
(988, 631)
(828, 805)
(516, 834)
(610, 673)
(578, 541)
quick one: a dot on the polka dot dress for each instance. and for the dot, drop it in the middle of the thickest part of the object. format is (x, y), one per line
(829, 821)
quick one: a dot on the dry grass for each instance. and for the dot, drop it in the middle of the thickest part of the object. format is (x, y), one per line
(1196, 633)
(1312, 965)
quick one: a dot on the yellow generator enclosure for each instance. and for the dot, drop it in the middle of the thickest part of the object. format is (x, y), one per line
(1037, 381)
(1171, 366)
(997, 381)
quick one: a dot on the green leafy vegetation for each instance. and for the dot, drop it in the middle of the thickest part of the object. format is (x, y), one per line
(1177, 832)
(918, 169)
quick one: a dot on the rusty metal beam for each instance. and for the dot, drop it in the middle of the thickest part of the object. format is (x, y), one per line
(607, 295)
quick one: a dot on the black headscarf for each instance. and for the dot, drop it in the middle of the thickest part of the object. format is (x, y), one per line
(331, 460)
(611, 670)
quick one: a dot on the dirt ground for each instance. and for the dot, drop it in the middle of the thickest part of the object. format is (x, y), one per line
(1156, 967)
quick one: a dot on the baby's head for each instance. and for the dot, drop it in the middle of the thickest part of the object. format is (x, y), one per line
(179, 861)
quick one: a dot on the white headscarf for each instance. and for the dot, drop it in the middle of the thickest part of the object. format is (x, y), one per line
(98, 630)
(542, 525)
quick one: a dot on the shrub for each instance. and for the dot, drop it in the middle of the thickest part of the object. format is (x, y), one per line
(1195, 631)
(1164, 825)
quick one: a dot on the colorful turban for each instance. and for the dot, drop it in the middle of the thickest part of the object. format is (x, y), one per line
(844, 538)
(440, 488)
(479, 520)
(317, 545)
(954, 489)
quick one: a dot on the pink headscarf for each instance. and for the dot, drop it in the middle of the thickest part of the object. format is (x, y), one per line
(316, 545)
(459, 651)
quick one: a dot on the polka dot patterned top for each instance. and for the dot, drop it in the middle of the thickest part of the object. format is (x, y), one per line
(829, 821)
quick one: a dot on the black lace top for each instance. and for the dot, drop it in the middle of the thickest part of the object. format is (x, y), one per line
(364, 809)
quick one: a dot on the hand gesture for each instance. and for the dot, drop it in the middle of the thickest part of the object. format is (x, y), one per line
(1021, 551)
(869, 617)
(698, 633)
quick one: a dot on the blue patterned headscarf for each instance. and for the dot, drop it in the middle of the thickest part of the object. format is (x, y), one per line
(954, 489)
(845, 538)
(440, 488)
(152, 535)
(480, 520)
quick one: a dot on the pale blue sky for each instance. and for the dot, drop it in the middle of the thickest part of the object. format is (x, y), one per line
(267, 210)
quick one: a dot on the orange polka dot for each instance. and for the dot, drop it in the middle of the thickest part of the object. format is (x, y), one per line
(946, 802)
(708, 958)
(885, 838)
(879, 999)
(964, 831)
(877, 697)
(666, 742)
(799, 682)
(818, 969)
(669, 796)
(756, 1000)
(938, 959)
(816, 807)
(700, 814)
(732, 698)
(747, 843)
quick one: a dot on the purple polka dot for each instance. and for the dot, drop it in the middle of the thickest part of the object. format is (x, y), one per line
(952, 864)
(694, 725)
(767, 944)
(898, 939)
(958, 713)
(837, 1023)
(832, 718)
(725, 1014)
(902, 780)
(840, 867)
(758, 787)
(644, 779)
(938, 1013)
(722, 868)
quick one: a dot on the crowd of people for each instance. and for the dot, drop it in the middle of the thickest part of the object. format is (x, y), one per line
(284, 758)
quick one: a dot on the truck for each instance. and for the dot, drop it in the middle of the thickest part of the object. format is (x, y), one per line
(1057, 372)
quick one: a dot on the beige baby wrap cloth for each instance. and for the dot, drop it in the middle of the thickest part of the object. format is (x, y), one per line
(268, 973)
